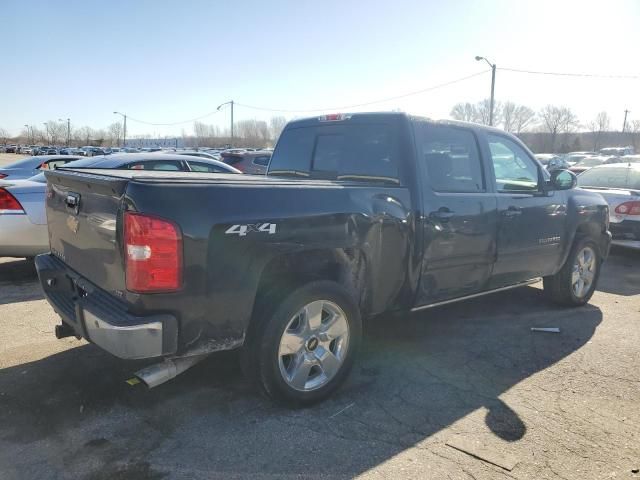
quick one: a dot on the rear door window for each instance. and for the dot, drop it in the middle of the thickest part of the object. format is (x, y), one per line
(356, 152)
(451, 157)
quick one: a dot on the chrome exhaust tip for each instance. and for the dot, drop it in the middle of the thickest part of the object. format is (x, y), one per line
(160, 373)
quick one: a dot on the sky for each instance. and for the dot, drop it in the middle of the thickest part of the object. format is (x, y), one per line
(166, 61)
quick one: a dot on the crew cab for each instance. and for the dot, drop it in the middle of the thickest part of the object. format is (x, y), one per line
(358, 215)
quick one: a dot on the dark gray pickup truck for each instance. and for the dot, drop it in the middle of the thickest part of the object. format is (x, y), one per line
(359, 215)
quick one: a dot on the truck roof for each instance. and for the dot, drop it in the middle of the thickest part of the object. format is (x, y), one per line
(376, 116)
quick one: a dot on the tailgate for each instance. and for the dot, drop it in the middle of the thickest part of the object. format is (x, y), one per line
(82, 214)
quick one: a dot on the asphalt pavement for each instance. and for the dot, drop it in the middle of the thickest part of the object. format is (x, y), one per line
(559, 405)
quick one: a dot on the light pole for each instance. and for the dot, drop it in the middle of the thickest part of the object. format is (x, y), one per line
(46, 125)
(493, 84)
(29, 136)
(68, 130)
(124, 135)
(222, 105)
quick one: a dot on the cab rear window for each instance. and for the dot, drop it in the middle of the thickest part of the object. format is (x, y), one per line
(356, 152)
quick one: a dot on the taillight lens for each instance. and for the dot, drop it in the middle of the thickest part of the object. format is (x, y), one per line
(2, 175)
(628, 208)
(8, 203)
(153, 250)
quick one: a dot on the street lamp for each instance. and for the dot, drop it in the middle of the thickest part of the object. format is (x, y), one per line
(222, 105)
(46, 125)
(29, 136)
(68, 129)
(124, 135)
(493, 84)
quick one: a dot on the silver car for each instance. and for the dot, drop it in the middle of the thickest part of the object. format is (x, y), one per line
(23, 222)
(30, 166)
(619, 184)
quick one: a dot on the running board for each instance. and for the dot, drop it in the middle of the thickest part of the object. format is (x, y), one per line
(476, 295)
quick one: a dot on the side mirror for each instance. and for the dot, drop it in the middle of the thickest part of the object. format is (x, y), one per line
(563, 180)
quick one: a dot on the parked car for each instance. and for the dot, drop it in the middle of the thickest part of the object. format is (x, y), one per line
(359, 215)
(10, 148)
(251, 162)
(30, 166)
(574, 157)
(552, 161)
(586, 163)
(69, 151)
(28, 150)
(22, 202)
(196, 153)
(47, 151)
(616, 151)
(619, 184)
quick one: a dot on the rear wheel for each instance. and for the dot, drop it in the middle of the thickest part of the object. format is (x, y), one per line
(304, 349)
(575, 283)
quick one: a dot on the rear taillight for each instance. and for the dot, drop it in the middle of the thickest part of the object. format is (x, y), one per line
(628, 208)
(153, 253)
(2, 175)
(8, 203)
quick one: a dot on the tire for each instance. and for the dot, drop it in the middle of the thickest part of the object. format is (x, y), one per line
(303, 347)
(562, 287)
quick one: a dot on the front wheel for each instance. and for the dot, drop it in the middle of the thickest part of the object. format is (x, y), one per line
(575, 283)
(304, 349)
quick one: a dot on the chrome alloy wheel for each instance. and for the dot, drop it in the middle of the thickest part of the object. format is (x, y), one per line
(314, 345)
(584, 271)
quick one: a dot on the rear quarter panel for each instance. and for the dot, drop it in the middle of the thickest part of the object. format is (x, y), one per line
(223, 267)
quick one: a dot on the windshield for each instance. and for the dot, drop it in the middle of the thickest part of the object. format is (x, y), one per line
(590, 162)
(82, 163)
(610, 177)
(30, 162)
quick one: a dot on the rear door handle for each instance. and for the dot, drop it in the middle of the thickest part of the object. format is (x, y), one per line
(443, 214)
(512, 211)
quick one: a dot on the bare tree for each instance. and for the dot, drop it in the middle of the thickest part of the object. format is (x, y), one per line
(483, 109)
(634, 130)
(4, 135)
(556, 120)
(515, 118)
(523, 117)
(598, 126)
(465, 112)
(115, 133)
(276, 125)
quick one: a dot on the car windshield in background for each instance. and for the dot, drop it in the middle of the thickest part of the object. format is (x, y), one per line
(82, 163)
(24, 163)
(610, 177)
(590, 162)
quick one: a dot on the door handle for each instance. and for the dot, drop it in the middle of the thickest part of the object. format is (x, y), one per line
(443, 214)
(512, 211)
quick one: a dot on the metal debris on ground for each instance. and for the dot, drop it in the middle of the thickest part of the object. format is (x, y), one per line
(545, 329)
(475, 449)
(133, 381)
(345, 408)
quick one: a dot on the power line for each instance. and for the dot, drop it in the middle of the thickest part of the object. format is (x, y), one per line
(565, 74)
(346, 107)
(173, 123)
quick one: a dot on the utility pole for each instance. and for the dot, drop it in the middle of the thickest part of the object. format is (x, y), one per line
(231, 102)
(624, 123)
(46, 125)
(29, 139)
(493, 85)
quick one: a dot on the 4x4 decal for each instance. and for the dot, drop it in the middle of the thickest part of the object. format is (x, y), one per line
(243, 230)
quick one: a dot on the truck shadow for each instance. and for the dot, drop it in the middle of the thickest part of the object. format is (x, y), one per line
(417, 375)
(621, 272)
(18, 281)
